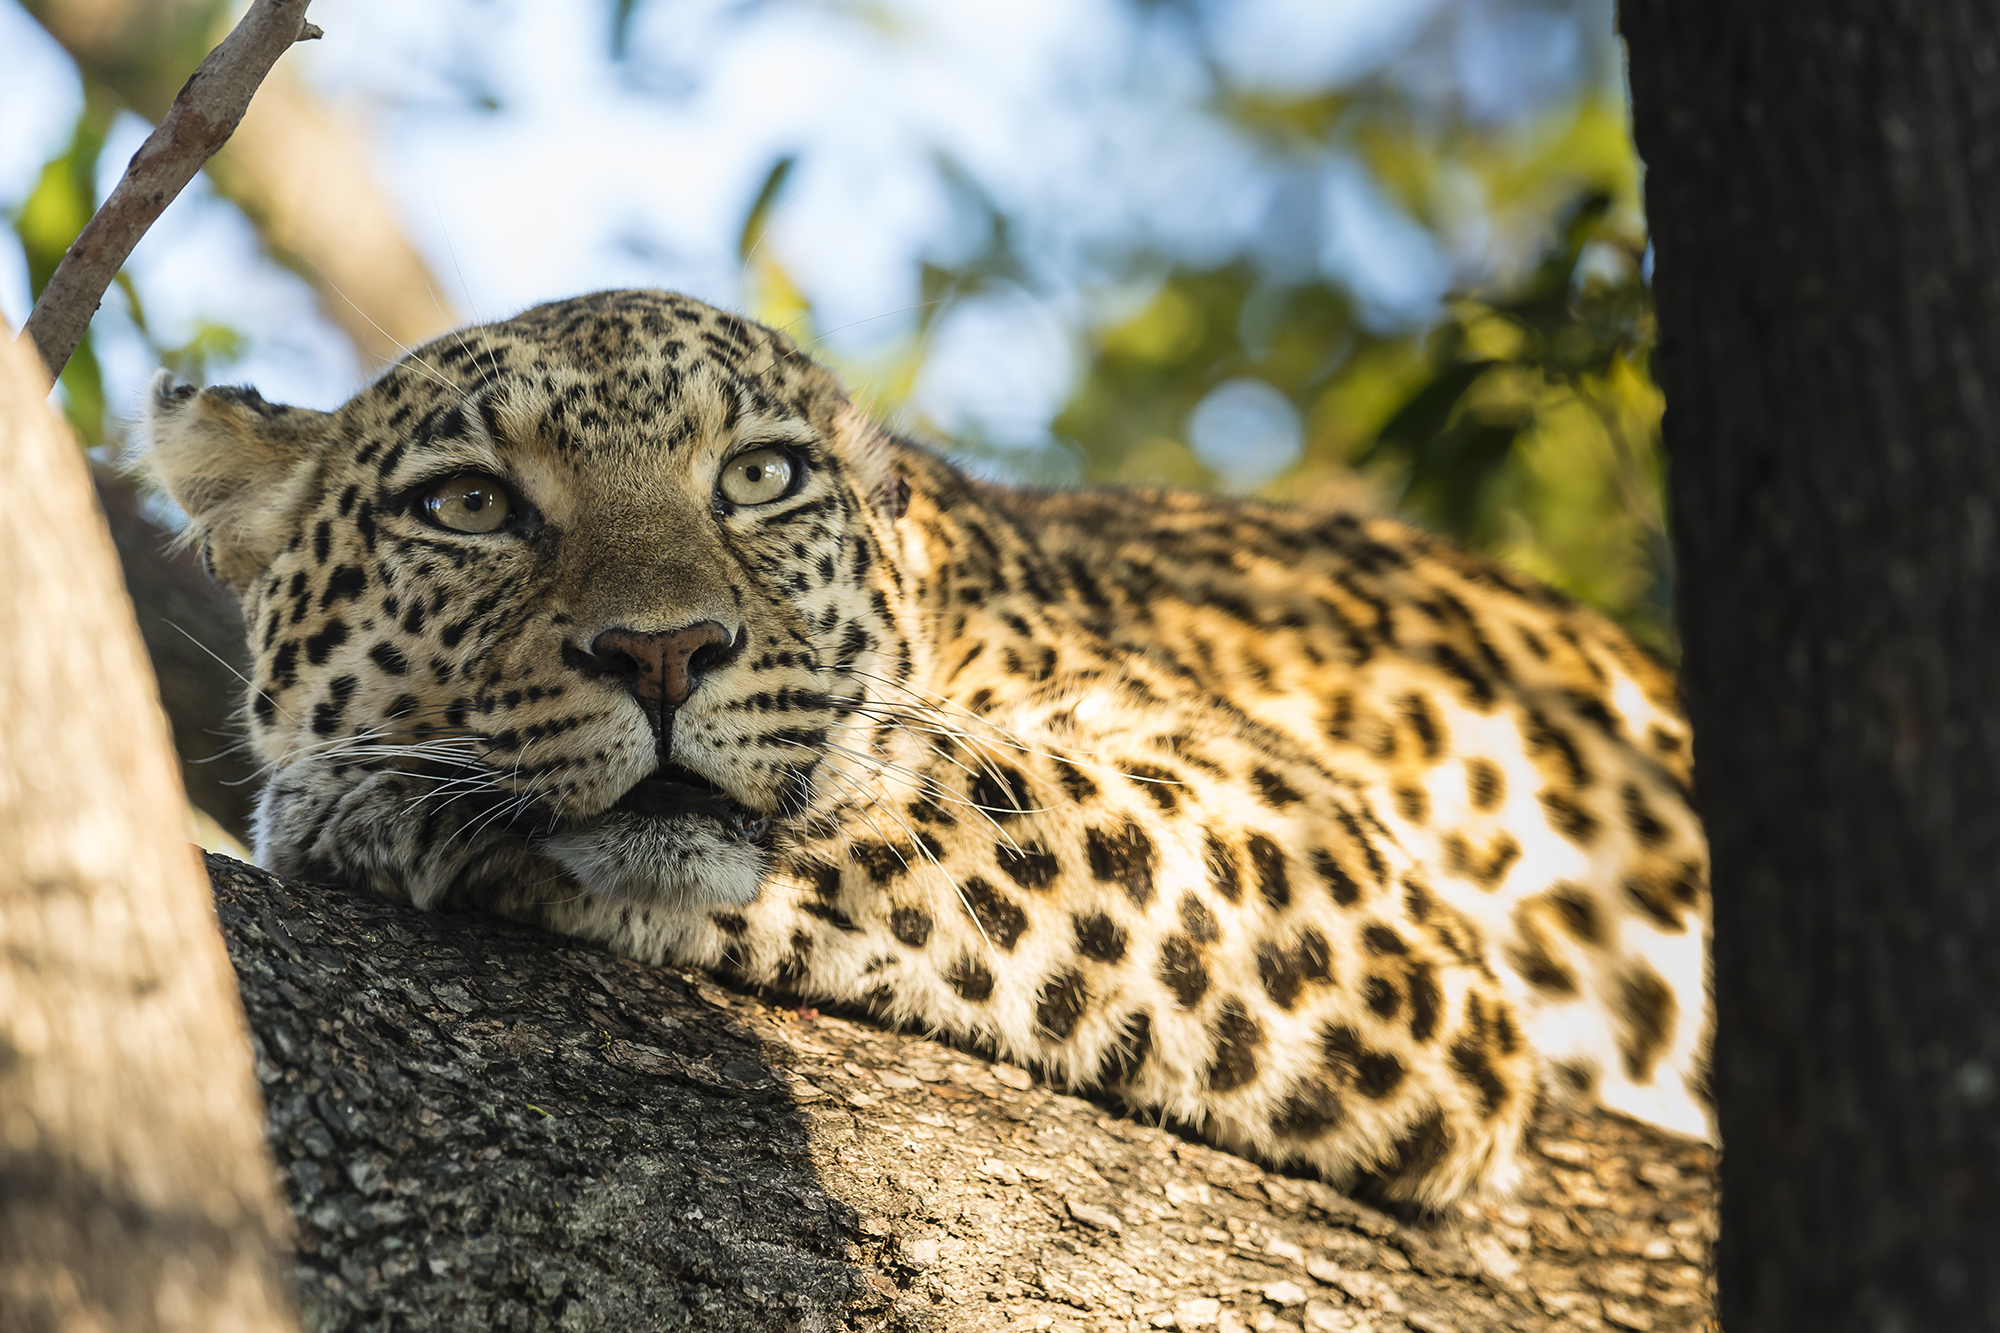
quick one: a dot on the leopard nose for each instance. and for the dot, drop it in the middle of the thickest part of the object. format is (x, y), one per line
(662, 667)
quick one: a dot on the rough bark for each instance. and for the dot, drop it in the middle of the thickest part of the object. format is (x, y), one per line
(297, 169)
(1824, 192)
(202, 116)
(135, 1192)
(486, 1127)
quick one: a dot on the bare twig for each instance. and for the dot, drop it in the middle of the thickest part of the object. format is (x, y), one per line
(203, 116)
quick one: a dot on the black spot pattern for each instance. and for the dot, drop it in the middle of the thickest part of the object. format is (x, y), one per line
(1124, 857)
(1338, 882)
(911, 925)
(1029, 863)
(1099, 937)
(969, 977)
(1124, 1058)
(1182, 971)
(1374, 1074)
(1061, 1004)
(1310, 1109)
(1267, 862)
(1223, 872)
(1237, 1037)
(998, 916)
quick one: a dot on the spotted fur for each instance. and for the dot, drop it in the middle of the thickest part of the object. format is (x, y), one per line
(1306, 829)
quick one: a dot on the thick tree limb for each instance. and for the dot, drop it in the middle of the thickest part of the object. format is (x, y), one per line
(487, 1127)
(134, 1190)
(203, 115)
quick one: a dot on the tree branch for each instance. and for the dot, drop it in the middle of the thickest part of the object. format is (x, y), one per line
(203, 116)
(483, 1126)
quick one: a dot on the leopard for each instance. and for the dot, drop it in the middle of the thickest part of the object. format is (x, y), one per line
(1305, 830)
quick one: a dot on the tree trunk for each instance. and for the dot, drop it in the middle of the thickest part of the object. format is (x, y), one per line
(193, 631)
(135, 1193)
(487, 1127)
(1824, 192)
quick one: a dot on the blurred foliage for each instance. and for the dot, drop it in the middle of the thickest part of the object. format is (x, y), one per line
(47, 221)
(1520, 420)
(1517, 415)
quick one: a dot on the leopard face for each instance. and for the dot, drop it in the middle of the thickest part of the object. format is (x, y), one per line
(1308, 830)
(584, 594)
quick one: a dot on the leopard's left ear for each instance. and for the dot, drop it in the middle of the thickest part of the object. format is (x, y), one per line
(235, 463)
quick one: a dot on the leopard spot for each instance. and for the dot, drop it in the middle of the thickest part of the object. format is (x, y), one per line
(1272, 789)
(729, 923)
(1383, 942)
(969, 977)
(1237, 1037)
(1001, 792)
(1426, 1001)
(1310, 1109)
(1060, 1004)
(1413, 804)
(1182, 972)
(1338, 882)
(1123, 1058)
(1200, 923)
(825, 879)
(1418, 1152)
(1223, 872)
(1579, 1076)
(1382, 996)
(1125, 857)
(1099, 937)
(1577, 911)
(1161, 785)
(1486, 869)
(1374, 1074)
(1029, 864)
(1570, 819)
(1267, 862)
(832, 915)
(1074, 784)
(1645, 826)
(911, 925)
(1645, 1009)
(1425, 723)
(883, 861)
(1657, 900)
(1485, 785)
(999, 917)
(792, 969)
(1534, 962)
(1475, 1067)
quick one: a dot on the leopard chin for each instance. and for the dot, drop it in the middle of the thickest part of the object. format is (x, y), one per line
(675, 840)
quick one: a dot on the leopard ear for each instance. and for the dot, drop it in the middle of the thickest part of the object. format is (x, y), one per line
(234, 462)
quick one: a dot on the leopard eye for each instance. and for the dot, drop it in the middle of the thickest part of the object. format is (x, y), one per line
(469, 504)
(757, 477)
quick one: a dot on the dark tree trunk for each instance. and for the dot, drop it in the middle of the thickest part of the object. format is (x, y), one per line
(485, 1127)
(1824, 192)
(193, 632)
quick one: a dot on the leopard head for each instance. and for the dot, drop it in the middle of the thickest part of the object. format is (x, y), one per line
(588, 594)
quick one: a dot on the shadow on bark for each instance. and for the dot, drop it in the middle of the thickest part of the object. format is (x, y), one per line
(486, 1127)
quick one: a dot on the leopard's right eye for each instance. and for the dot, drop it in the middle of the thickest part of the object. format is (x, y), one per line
(469, 504)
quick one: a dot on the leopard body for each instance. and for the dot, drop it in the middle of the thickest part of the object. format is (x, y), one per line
(1308, 830)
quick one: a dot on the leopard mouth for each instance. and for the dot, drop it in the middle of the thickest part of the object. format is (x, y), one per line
(674, 789)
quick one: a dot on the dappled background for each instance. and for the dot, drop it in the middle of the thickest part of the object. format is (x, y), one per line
(1374, 253)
